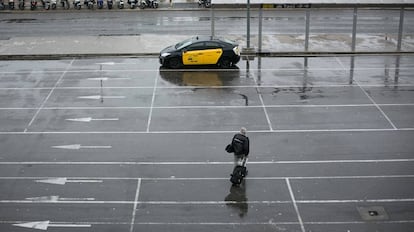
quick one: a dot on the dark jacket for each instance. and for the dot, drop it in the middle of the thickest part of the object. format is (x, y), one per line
(240, 144)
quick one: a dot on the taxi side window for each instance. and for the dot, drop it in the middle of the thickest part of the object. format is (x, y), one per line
(213, 45)
(196, 46)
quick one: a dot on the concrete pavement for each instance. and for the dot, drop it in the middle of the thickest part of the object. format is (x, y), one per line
(151, 44)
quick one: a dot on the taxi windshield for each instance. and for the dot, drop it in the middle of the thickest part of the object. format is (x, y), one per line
(183, 44)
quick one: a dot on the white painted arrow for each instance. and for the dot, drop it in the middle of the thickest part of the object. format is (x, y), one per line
(97, 97)
(78, 146)
(44, 225)
(56, 199)
(107, 78)
(64, 180)
(89, 119)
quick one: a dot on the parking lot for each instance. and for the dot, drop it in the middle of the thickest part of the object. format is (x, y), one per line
(120, 144)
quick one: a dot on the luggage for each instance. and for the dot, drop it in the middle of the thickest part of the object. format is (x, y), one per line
(239, 172)
(229, 148)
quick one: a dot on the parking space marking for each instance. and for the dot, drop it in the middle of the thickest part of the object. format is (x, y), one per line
(263, 104)
(207, 132)
(38, 200)
(48, 96)
(210, 87)
(292, 196)
(377, 106)
(100, 179)
(222, 223)
(201, 163)
(152, 103)
(134, 209)
(205, 107)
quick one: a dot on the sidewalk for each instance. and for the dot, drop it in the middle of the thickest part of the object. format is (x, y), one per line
(151, 44)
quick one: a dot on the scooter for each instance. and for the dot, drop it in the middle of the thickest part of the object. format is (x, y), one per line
(100, 4)
(21, 4)
(148, 3)
(2, 5)
(89, 3)
(110, 4)
(121, 4)
(11, 4)
(33, 4)
(205, 3)
(77, 4)
(53, 4)
(132, 3)
(154, 4)
(64, 4)
(46, 4)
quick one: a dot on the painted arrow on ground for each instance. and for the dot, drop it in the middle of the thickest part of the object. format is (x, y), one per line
(56, 199)
(97, 97)
(89, 119)
(44, 225)
(64, 180)
(79, 146)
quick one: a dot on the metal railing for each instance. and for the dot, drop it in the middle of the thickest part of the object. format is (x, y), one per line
(313, 30)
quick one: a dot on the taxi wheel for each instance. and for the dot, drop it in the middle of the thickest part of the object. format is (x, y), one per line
(225, 63)
(174, 63)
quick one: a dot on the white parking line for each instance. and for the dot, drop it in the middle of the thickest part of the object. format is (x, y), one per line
(135, 203)
(202, 162)
(377, 106)
(269, 122)
(224, 223)
(152, 103)
(134, 209)
(210, 87)
(48, 96)
(295, 206)
(206, 132)
(34, 178)
(205, 106)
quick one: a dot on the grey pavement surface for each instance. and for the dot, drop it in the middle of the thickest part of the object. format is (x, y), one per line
(151, 45)
(118, 144)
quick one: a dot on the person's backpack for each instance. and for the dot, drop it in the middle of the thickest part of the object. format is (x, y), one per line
(237, 145)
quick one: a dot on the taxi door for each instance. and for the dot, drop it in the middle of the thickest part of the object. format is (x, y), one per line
(193, 54)
(211, 56)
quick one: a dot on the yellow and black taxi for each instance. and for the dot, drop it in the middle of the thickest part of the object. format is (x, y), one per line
(201, 51)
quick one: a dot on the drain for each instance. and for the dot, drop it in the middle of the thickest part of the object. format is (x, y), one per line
(373, 213)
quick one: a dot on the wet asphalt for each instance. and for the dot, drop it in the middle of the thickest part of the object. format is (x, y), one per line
(120, 144)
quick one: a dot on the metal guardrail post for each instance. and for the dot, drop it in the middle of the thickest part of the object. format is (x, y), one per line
(354, 29)
(212, 21)
(307, 30)
(248, 24)
(260, 27)
(400, 29)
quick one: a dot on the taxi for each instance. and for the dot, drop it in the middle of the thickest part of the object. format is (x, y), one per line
(201, 51)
